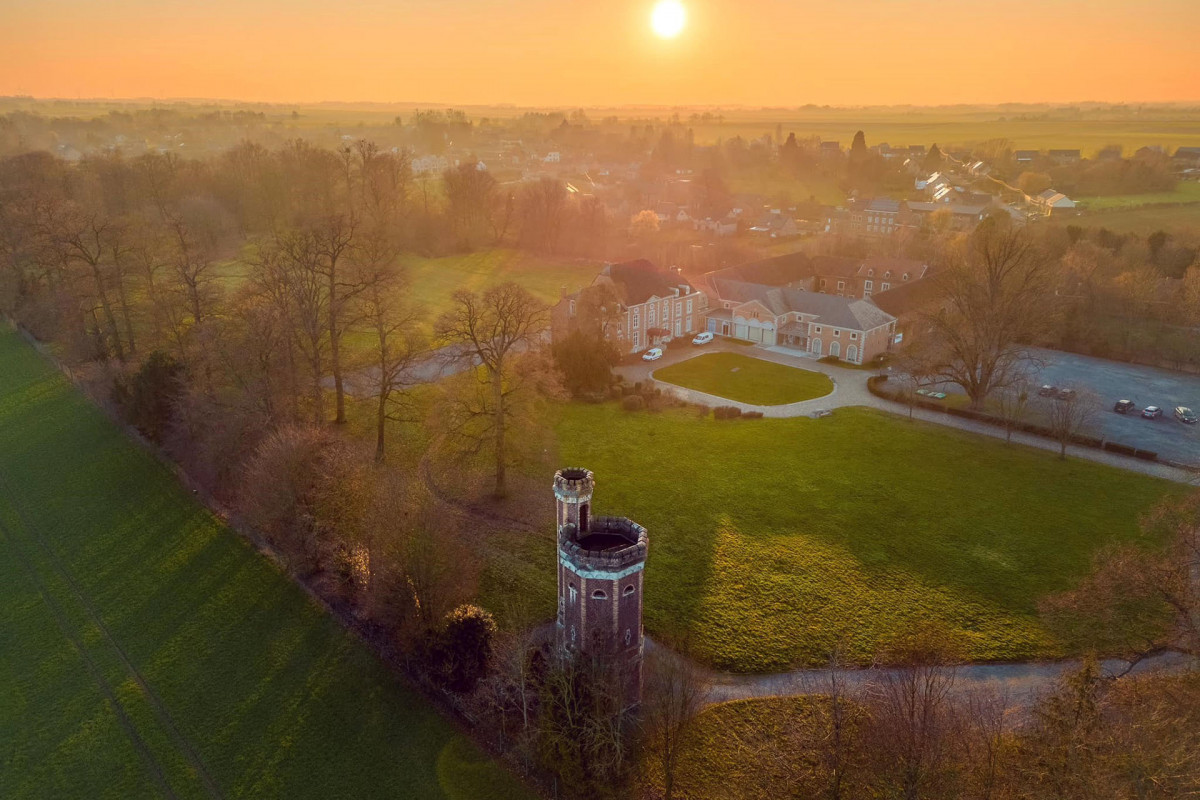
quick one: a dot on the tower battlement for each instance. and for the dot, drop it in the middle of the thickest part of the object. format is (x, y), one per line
(601, 561)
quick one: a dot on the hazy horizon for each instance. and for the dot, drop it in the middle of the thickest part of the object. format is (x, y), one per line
(543, 54)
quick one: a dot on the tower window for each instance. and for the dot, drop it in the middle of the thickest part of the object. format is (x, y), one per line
(584, 513)
(628, 590)
(628, 636)
(599, 595)
(574, 594)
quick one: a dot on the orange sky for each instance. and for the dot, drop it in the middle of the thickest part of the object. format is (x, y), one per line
(597, 52)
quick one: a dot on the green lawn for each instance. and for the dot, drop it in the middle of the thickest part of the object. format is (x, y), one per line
(770, 540)
(746, 379)
(433, 280)
(1142, 220)
(118, 591)
(1185, 192)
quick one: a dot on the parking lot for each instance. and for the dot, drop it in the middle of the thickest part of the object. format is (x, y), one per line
(1145, 386)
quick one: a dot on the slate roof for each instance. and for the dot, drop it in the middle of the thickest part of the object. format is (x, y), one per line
(777, 271)
(638, 281)
(840, 312)
(884, 205)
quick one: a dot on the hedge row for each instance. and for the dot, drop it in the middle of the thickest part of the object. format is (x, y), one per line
(874, 384)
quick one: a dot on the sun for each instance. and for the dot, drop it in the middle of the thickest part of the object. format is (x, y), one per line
(668, 18)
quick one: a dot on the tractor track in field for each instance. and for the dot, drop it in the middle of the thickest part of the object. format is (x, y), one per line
(155, 702)
(139, 744)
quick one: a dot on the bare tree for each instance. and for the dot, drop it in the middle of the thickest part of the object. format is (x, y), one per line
(1070, 413)
(919, 363)
(675, 693)
(491, 329)
(1012, 402)
(393, 323)
(912, 715)
(995, 296)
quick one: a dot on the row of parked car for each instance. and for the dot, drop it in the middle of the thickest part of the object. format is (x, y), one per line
(1182, 413)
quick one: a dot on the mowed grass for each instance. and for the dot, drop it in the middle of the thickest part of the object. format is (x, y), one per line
(230, 681)
(773, 540)
(746, 379)
(433, 281)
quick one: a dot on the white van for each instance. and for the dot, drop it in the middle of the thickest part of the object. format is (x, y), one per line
(703, 338)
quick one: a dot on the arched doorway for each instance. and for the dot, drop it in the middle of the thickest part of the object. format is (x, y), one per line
(852, 353)
(835, 349)
(816, 347)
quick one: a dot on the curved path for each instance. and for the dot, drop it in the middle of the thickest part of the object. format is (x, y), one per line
(850, 389)
(1021, 683)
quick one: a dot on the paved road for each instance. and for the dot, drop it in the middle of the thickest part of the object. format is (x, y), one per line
(850, 389)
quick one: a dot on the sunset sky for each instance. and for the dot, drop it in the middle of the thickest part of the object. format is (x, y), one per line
(603, 52)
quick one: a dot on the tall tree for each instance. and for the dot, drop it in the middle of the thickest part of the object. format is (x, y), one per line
(491, 329)
(995, 305)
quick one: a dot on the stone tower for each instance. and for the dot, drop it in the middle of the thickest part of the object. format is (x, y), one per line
(600, 568)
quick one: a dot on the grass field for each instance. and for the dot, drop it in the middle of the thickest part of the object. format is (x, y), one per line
(148, 651)
(746, 379)
(1185, 192)
(770, 540)
(1143, 220)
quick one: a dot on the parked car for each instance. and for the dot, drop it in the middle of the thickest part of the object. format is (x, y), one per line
(1185, 415)
(1151, 412)
(653, 354)
(703, 338)
(1124, 406)
(1065, 394)
(1047, 391)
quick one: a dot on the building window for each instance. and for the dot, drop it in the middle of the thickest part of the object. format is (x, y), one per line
(818, 329)
(885, 287)
(905, 276)
(853, 335)
(822, 283)
(599, 595)
(574, 594)
(628, 590)
(868, 285)
(650, 316)
(628, 637)
(870, 273)
(679, 309)
(571, 311)
(689, 305)
(836, 333)
(841, 285)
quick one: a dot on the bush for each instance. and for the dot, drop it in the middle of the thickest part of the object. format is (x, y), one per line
(460, 649)
(634, 402)
(752, 415)
(726, 412)
(148, 400)
(1122, 449)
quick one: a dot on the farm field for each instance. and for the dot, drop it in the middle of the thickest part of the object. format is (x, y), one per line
(1185, 192)
(148, 651)
(747, 379)
(1142, 220)
(773, 539)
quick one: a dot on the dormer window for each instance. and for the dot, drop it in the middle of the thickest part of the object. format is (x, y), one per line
(905, 276)
(887, 274)
(870, 273)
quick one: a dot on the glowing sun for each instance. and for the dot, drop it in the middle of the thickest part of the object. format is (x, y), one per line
(668, 18)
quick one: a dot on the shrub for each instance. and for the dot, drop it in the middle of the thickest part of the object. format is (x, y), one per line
(585, 362)
(726, 412)
(752, 415)
(460, 649)
(148, 400)
(634, 402)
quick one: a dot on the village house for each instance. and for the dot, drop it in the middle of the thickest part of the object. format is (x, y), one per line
(853, 330)
(653, 306)
(1052, 202)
